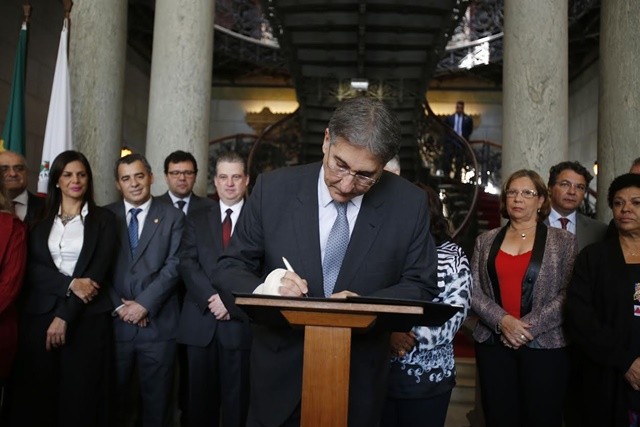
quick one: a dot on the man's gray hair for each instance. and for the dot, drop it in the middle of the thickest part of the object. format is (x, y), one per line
(369, 123)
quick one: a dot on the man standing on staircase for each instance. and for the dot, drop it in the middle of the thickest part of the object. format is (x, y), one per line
(461, 123)
(568, 185)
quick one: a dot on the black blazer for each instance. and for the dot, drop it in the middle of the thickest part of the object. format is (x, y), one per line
(390, 254)
(45, 288)
(599, 316)
(35, 206)
(201, 246)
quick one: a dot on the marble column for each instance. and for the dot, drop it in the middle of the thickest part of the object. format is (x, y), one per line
(97, 52)
(180, 94)
(535, 85)
(619, 94)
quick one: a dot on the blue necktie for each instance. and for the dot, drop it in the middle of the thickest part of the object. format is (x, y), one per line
(133, 229)
(336, 248)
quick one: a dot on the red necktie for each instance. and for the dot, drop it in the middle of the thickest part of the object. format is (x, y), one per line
(226, 228)
(564, 222)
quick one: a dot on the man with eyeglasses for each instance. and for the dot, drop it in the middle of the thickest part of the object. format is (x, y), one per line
(14, 174)
(180, 172)
(346, 228)
(568, 185)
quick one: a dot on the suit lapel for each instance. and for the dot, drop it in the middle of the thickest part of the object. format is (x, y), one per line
(88, 245)
(364, 234)
(306, 226)
(121, 216)
(151, 223)
(214, 224)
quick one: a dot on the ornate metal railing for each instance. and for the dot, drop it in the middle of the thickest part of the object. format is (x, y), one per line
(452, 169)
(489, 157)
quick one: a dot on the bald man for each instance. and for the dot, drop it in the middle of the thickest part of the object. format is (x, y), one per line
(14, 174)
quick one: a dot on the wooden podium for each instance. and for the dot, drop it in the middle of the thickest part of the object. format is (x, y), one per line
(328, 324)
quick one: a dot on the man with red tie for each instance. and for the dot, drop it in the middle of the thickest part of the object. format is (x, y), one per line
(217, 347)
(568, 186)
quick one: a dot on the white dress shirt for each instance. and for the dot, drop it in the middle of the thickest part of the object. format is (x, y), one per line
(65, 241)
(21, 203)
(176, 199)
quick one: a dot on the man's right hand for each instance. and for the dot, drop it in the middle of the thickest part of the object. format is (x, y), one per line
(292, 285)
(217, 308)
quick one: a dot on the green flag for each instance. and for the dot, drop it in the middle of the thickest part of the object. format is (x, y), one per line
(13, 134)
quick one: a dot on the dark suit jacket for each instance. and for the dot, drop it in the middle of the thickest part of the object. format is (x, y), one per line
(45, 288)
(390, 254)
(195, 203)
(201, 247)
(599, 314)
(547, 286)
(149, 277)
(35, 205)
(467, 124)
(588, 230)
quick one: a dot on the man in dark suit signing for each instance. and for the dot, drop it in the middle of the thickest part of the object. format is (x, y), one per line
(26, 205)
(143, 292)
(180, 172)
(347, 228)
(217, 346)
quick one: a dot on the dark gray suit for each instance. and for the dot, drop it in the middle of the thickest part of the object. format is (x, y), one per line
(149, 277)
(390, 254)
(588, 230)
(217, 351)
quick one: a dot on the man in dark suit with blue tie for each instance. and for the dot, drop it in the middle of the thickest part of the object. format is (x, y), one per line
(180, 172)
(347, 228)
(143, 292)
(217, 346)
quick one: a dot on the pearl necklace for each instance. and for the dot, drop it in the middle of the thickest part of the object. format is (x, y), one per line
(523, 235)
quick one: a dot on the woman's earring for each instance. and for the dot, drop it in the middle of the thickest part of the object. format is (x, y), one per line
(58, 186)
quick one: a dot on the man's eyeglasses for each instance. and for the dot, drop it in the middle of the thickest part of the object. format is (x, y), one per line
(527, 194)
(176, 174)
(16, 168)
(341, 172)
(566, 185)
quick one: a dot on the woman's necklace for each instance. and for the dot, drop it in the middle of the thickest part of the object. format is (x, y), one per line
(633, 252)
(521, 232)
(66, 218)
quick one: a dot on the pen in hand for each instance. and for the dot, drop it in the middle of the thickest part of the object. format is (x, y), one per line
(289, 268)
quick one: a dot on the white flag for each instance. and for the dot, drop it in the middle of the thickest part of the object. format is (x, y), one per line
(57, 135)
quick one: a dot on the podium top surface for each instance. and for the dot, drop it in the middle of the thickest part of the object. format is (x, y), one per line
(397, 314)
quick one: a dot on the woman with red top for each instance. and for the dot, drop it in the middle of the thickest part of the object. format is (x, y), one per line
(520, 275)
(13, 252)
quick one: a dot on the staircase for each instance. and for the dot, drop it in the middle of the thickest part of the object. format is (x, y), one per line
(390, 47)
